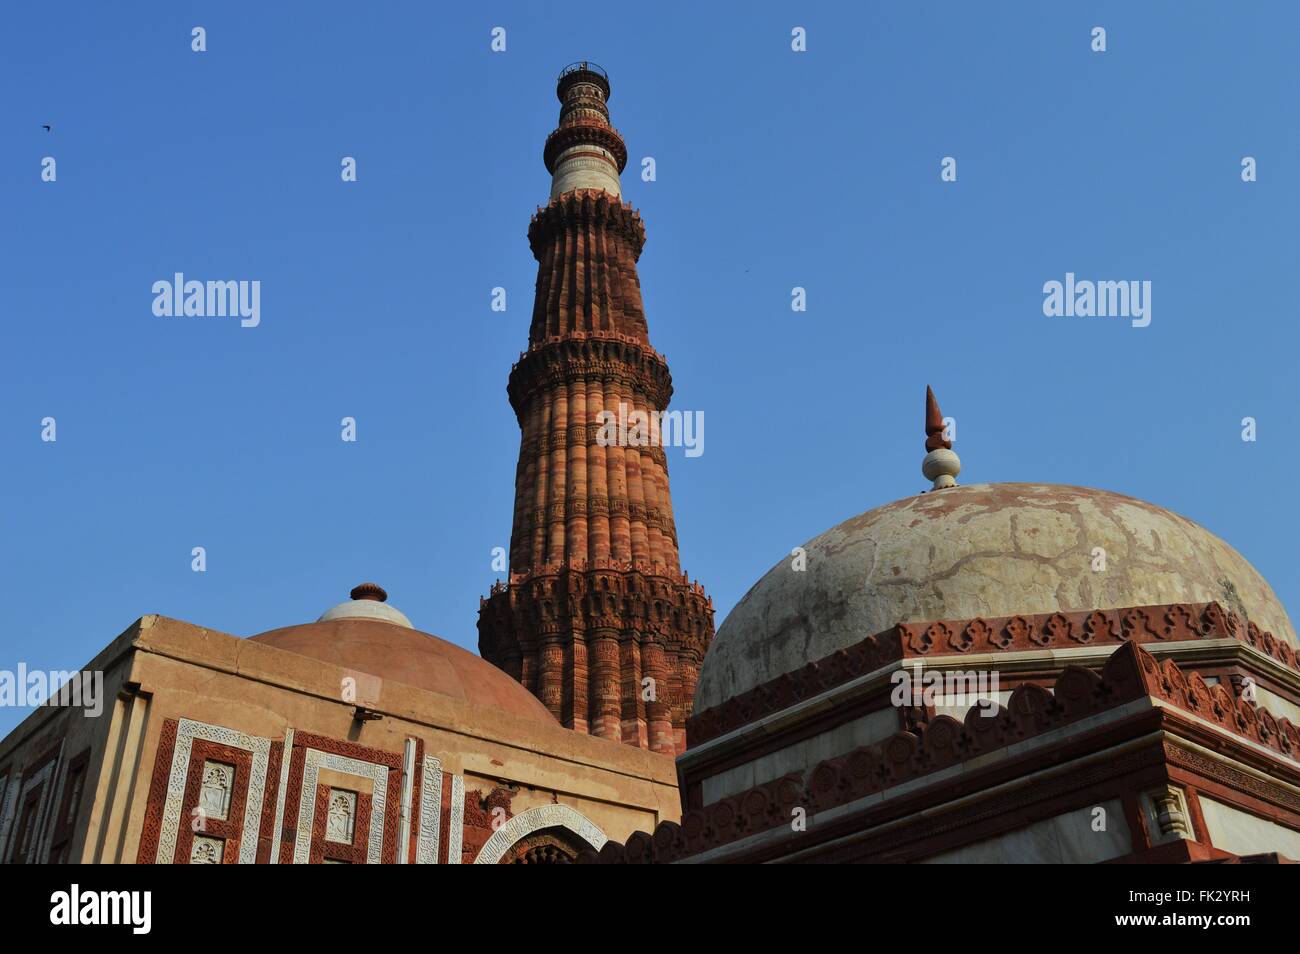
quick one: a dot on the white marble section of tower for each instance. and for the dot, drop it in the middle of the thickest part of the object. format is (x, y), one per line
(578, 169)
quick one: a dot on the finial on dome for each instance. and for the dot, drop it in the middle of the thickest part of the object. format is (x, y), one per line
(369, 591)
(941, 465)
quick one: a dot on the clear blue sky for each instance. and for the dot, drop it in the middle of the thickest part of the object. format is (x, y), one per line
(775, 169)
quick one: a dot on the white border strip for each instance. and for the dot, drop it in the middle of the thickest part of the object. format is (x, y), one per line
(279, 796)
(456, 823)
(426, 848)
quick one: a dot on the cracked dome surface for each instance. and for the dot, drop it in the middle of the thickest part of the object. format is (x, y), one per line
(982, 550)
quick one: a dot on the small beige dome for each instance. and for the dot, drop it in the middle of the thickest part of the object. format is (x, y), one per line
(981, 550)
(366, 609)
(368, 602)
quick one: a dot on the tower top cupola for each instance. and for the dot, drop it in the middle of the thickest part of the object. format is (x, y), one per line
(584, 151)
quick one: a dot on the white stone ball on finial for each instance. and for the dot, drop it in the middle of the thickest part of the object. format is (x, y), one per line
(941, 466)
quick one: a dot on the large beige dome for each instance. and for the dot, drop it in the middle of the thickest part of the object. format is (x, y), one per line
(982, 550)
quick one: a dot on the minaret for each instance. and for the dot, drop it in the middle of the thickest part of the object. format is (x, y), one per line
(596, 619)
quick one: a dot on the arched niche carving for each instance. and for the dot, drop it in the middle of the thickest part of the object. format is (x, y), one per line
(559, 827)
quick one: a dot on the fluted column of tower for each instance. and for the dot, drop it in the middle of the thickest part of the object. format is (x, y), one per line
(597, 618)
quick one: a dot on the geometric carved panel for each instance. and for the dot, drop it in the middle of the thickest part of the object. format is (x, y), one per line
(341, 816)
(346, 816)
(221, 796)
(63, 825)
(31, 801)
(377, 788)
(214, 797)
(377, 775)
(209, 785)
(207, 851)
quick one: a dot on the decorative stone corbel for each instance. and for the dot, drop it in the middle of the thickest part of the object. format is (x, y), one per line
(1166, 813)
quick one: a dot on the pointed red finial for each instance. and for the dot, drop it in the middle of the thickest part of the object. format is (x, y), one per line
(941, 465)
(934, 438)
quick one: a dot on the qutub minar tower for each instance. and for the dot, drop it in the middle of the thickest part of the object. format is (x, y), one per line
(597, 618)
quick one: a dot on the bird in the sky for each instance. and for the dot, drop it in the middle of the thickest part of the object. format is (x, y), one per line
(45, 126)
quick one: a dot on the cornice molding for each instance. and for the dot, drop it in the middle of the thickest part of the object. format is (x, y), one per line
(1169, 624)
(1130, 674)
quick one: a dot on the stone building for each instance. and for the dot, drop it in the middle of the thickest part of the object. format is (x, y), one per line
(997, 672)
(353, 739)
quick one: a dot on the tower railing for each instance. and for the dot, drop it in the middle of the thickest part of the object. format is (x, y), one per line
(583, 65)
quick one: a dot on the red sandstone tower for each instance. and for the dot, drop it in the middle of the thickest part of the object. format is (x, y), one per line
(597, 618)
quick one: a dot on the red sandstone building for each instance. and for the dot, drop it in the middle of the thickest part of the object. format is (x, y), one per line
(1115, 683)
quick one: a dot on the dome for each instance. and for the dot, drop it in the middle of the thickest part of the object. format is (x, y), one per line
(366, 609)
(359, 635)
(983, 550)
